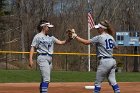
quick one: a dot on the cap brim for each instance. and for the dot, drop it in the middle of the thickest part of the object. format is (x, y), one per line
(100, 26)
(96, 26)
(50, 25)
(47, 24)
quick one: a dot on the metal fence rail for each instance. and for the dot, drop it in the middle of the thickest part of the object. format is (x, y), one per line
(66, 61)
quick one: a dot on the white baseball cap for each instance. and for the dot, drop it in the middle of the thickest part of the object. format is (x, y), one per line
(48, 24)
(100, 26)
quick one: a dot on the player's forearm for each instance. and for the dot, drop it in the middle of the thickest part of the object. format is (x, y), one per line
(62, 42)
(81, 40)
(31, 53)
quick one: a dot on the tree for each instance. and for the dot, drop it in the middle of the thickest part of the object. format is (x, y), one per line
(2, 4)
(64, 14)
(1, 21)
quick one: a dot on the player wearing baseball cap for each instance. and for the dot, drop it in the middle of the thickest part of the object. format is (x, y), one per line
(43, 42)
(105, 44)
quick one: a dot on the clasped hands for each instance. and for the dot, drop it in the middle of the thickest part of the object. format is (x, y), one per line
(71, 33)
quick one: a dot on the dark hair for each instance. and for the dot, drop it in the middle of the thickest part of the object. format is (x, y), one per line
(39, 28)
(109, 29)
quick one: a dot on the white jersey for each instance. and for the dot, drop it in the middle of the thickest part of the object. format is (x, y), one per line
(105, 44)
(44, 43)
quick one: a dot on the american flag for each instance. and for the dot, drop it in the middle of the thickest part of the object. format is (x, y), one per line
(90, 21)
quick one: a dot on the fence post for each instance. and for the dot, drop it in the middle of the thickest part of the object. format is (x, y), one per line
(66, 63)
(136, 63)
(126, 63)
(6, 62)
(36, 61)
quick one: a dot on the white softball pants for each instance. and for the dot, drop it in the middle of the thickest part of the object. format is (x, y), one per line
(45, 66)
(106, 69)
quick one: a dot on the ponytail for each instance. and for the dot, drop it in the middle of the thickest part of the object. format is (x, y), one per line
(109, 29)
(39, 28)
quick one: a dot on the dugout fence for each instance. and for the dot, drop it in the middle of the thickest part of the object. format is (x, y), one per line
(13, 60)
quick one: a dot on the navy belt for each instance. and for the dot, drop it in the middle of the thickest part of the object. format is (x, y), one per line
(105, 57)
(45, 54)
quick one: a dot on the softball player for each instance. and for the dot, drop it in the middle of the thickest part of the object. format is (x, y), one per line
(105, 44)
(44, 45)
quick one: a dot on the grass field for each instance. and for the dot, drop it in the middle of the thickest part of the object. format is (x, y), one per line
(8, 76)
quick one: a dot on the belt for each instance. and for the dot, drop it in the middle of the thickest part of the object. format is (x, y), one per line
(105, 57)
(45, 54)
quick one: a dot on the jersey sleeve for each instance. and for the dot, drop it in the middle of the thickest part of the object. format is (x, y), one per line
(115, 43)
(54, 39)
(35, 42)
(94, 40)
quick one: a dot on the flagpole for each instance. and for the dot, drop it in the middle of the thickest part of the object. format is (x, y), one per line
(88, 45)
(88, 49)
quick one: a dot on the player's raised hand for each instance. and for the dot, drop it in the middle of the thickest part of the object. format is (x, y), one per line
(71, 33)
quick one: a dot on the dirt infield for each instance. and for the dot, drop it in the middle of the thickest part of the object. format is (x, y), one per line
(66, 87)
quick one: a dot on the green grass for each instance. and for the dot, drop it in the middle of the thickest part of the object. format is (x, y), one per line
(19, 76)
(128, 77)
(61, 76)
(73, 76)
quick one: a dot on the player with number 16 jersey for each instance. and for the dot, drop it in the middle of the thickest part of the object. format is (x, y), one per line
(105, 44)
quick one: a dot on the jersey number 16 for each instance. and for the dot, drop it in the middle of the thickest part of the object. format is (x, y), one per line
(109, 43)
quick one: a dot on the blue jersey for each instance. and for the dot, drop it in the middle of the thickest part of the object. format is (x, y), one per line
(105, 44)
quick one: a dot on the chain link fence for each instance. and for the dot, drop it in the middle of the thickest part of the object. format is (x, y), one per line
(66, 61)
